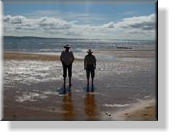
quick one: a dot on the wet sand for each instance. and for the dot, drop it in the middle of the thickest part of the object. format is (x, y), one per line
(146, 114)
(128, 53)
(30, 99)
(44, 111)
(30, 56)
(145, 110)
(24, 113)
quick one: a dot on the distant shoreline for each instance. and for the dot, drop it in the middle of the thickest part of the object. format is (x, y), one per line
(29, 56)
(13, 55)
(45, 56)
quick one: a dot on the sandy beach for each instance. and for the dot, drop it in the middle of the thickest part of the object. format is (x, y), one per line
(121, 36)
(30, 56)
(146, 113)
(124, 87)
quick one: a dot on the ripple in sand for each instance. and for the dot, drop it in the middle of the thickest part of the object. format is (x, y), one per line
(30, 97)
(116, 105)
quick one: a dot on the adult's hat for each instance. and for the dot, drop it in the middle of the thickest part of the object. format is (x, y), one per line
(67, 46)
(89, 51)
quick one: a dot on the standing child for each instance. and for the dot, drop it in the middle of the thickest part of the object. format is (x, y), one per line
(90, 66)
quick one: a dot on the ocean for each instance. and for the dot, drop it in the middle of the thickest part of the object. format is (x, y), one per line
(36, 44)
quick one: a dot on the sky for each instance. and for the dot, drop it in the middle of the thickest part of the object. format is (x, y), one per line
(135, 21)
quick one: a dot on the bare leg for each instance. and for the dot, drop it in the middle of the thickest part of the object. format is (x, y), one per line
(64, 84)
(92, 84)
(87, 84)
(92, 77)
(87, 81)
(70, 84)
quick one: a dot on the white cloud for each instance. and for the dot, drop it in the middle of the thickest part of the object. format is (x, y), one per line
(142, 22)
(142, 27)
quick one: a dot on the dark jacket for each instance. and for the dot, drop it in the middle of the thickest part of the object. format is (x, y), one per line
(89, 60)
(67, 58)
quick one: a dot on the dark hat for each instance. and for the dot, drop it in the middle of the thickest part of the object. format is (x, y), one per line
(67, 46)
(89, 51)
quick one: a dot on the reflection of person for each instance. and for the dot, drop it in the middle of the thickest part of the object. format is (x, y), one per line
(90, 105)
(67, 107)
(67, 59)
(89, 66)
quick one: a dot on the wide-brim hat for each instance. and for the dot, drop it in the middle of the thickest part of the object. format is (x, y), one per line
(67, 46)
(89, 51)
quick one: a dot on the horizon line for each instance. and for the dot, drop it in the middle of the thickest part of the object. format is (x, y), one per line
(79, 38)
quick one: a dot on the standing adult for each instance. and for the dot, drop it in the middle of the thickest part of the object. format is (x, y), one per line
(67, 59)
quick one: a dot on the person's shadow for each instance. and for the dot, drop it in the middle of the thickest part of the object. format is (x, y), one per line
(63, 90)
(90, 107)
(88, 88)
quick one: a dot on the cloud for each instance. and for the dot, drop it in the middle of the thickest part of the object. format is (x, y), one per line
(14, 20)
(53, 23)
(80, 17)
(109, 25)
(142, 27)
(142, 22)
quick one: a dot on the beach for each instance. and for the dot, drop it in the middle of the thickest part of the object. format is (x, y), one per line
(124, 79)
(121, 36)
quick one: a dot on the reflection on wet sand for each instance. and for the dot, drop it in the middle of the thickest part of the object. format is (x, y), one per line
(90, 106)
(67, 107)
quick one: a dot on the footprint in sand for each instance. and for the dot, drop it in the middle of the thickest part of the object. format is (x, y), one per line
(108, 114)
(148, 107)
(145, 114)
